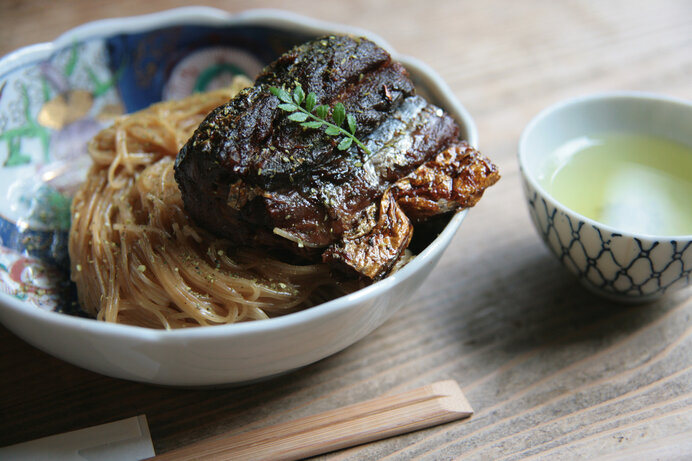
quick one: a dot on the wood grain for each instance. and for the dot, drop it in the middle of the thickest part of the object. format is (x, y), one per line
(552, 371)
(341, 427)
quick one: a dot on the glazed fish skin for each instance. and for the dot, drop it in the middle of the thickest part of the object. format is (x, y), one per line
(456, 178)
(262, 172)
(249, 157)
(341, 190)
(350, 70)
(414, 133)
(257, 178)
(371, 252)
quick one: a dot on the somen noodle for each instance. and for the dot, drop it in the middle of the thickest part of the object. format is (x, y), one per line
(137, 258)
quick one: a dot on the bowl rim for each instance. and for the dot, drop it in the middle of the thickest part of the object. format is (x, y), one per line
(603, 97)
(188, 15)
(200, 15)
(205, 15)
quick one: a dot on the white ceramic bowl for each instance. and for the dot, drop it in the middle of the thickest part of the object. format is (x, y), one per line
(123, 65)
(621, 265)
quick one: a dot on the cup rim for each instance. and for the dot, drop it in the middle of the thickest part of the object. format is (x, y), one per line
(608, 96)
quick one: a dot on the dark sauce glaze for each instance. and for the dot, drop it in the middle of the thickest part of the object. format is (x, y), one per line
(251, 175)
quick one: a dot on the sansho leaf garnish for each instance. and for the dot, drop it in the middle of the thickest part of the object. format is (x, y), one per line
(303, 110)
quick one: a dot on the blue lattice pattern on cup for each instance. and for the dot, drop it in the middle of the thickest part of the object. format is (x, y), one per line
(622, 267)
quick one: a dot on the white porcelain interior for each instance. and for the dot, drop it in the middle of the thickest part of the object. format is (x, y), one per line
(233, 353)
(612, 262)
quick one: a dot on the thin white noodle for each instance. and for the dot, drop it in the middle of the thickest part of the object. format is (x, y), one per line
(137, 259)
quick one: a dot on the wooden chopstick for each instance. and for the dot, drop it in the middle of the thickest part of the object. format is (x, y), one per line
(364, 422)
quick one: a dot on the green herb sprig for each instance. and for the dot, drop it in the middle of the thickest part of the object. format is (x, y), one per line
(303, 109)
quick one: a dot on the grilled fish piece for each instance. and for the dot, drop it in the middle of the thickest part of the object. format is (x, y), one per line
(248, 169)
(456, 178)
(339, 191)
(251, 175)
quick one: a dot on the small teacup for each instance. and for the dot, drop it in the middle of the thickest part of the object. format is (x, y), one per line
(618, 263)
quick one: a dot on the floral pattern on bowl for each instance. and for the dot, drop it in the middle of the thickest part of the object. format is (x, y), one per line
(54, 100)
(50, 109)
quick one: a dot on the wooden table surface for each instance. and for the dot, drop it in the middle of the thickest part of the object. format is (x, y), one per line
(552, 371)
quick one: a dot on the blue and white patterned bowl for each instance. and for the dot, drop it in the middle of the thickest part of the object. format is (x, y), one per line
(55, 96)
(618, 264)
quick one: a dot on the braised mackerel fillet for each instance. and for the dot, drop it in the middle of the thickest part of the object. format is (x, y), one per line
(253, 175)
